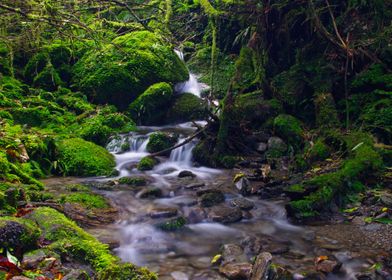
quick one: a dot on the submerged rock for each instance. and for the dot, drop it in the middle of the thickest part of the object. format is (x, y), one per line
(186, 173)
(242, 203)
(225, 214)
(150, 193)
(172, 224)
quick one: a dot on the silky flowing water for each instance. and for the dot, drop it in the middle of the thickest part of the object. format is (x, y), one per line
(187, 253)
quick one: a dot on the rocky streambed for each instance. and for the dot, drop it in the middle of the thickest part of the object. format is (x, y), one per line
(185, 221)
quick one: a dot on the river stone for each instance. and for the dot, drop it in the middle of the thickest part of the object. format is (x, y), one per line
(76, 274)
(186, 173)
(225, 215)
(243, 186)
(150, 193)
(277, 144)
(157, 213)
(233, 253)
(236, 271)
(261, 266)
(328, 266)
(242, 203)
(211, 199)
(261, 147)
(195, 215)
(178, 275)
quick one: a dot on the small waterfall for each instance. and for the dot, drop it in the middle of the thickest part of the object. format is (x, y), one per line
(136, 143)
(192, 85)
(183, 154)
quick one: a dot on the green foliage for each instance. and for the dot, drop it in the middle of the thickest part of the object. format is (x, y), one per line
(326, 113)
(146, 163)
(248, 70)
(33, 116)
(81, 158)
(121, 71)
(88, 200)
(187, 107)
(48, 79)
(150, 107)
(319, 151)
(290, 129)
(159, 141)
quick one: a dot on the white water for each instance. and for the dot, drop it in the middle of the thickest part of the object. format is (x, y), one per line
(192, 85)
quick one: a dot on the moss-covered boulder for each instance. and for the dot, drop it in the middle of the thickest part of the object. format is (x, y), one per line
(81, 158)
(50, 68)
(125, 68)
(159, 141)
(147, 163)
(186, 107)
(125, 272)
(151, 106)
(290, 129)
(18, 234)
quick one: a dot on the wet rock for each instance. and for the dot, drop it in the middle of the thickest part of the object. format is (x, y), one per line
(32, 259)
(194, 186)
(210, 197)
(236, 271)
(172, 224)
(178, 275)
(328, 266)
(225, 215)
(233, 253)
(243, 186)
(261, 267)
(277, 146)
(252, 245)
(76, 274)
(163, 213)
(276, 248)
(195, 215)
(261, 147)
(242, 203)
(186, 173)
(150, 193)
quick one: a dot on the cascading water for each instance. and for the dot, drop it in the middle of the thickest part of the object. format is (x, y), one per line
(192, 85)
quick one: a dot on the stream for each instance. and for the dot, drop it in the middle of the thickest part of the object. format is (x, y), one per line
(187, 253)
(262, 225)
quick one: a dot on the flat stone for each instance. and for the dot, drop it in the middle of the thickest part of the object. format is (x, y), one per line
(163, 213)
(236, 271)
(242, 203)
(225, 215)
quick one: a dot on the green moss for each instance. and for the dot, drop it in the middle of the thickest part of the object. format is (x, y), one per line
(133, 181)
(69, 239)
(88, 200)
(326, 113)
(81, 158)
(172, 224)
(48, 79)
(319, 151)
(290, 129)
(18, 233)
(146, 163)
(159, 141)
(124, 69)
(126, 272)
(187, 107)
(32, 116)
(150, 107)
(364, 162)
(228, 161)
